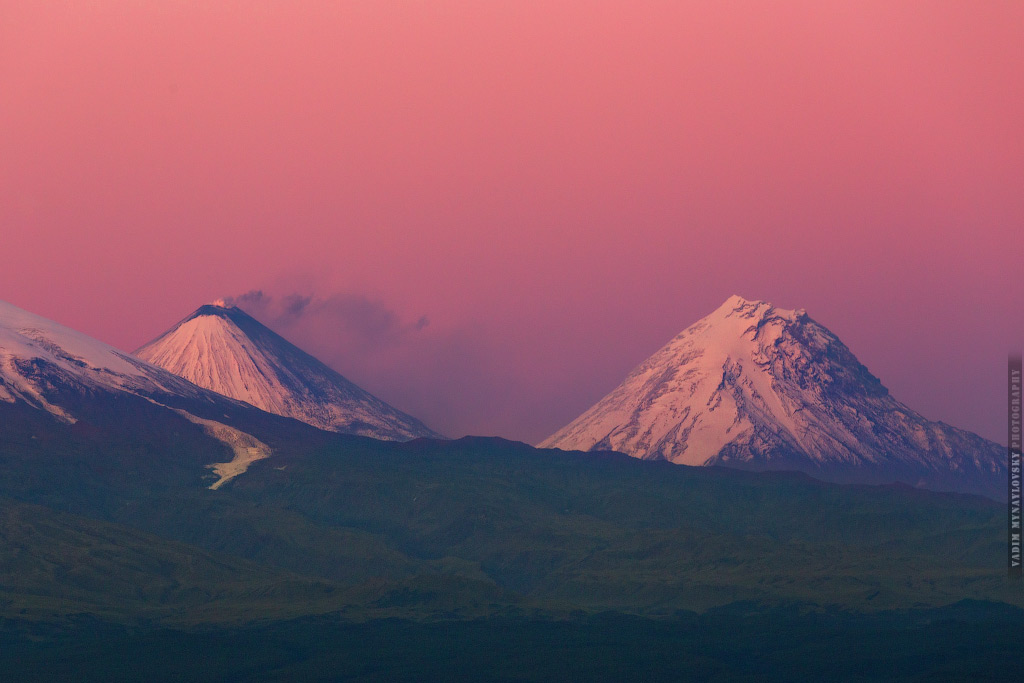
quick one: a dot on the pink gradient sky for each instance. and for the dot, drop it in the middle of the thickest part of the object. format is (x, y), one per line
(557, 187)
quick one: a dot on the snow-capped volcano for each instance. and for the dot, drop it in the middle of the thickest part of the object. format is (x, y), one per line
(49, 372)
(39, 358)
(222, 348)
(755, 386)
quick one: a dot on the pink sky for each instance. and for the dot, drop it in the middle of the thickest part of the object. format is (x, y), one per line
(556, 187)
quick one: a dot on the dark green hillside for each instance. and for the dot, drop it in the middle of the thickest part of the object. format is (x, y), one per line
(54, 566)
(344, 558)
(610, 532)
(463, 527)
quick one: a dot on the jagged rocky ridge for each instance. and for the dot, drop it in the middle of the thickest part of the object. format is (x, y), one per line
(760, 387)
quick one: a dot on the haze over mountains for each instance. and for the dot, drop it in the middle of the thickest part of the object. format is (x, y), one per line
(758, 387)
(222, 348)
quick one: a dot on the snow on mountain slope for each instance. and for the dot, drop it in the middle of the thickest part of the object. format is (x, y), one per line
(755, 386)
(225, 350)
(39, 356)
(49, 367)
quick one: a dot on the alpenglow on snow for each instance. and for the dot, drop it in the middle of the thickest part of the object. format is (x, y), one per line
(224, 349)
(51, 374)
(760, 387)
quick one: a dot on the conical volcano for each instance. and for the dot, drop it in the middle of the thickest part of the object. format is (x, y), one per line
(224, 349)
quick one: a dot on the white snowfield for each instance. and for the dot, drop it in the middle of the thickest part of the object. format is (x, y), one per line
(753, 383)
(29, 342)
(223, 349)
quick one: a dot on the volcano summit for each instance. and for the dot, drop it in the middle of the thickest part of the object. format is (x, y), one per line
(224, 349)
(759, 387)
